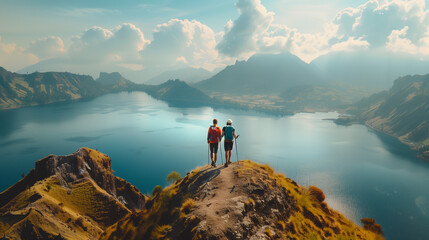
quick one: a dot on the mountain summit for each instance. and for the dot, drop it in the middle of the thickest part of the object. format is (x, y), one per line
(244, 201)
(262, 73)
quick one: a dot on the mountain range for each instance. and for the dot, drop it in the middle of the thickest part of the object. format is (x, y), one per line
(19, 90)
(263, 74)
(40, 88)
(78, 197)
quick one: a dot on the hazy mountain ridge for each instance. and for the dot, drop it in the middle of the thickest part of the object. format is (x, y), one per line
(373, 69)
(244, 201)
(17, 90)
(402, 112)
(262, 73)
(67, 197)
(188, 75)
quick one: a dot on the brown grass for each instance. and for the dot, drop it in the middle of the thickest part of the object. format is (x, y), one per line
(316, 193)
(160, 232)
(187, 205)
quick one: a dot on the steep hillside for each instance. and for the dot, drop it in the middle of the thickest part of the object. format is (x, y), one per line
(402, 112)
(244, 201)
(262, 73)
(188, 75)
(177, 93)
(18, 90)
(67, 197)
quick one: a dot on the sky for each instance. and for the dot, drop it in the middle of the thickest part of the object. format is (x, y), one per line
(106, 35)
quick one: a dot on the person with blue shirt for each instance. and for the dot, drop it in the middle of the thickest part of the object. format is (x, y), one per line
(228, 132)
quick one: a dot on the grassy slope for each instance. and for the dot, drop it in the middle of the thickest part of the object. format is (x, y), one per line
(311, 219)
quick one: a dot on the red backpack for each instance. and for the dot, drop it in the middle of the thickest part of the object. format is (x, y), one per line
(214, 133)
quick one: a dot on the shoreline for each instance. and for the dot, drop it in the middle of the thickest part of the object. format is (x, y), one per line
(411, 145)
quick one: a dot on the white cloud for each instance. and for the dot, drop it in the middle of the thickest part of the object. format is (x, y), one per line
(121, 44)
(242, 35)
(182, 40)
(181, 59)
(375, 20)
(395, 26)
(253, 32)
(13, 58)
(351, 44)
(398, 43)
(48, 47)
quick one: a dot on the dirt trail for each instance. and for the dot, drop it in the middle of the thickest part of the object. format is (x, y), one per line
(222, 201)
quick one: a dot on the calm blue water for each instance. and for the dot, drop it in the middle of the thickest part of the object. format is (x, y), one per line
(363, 174)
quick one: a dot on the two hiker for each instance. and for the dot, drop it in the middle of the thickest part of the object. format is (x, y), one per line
(214, 137)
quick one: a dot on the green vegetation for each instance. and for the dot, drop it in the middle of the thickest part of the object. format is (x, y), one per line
(173, 176)
(157, 189)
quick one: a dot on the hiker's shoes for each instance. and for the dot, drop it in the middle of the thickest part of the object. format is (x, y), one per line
(226, 164)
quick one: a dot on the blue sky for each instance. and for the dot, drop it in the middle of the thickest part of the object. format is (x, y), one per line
(167, 34)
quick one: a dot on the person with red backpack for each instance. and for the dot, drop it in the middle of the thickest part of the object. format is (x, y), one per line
(213, 138)
(229, 133)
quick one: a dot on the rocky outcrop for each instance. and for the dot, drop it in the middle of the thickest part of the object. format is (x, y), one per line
(74, 197)
(244, 201)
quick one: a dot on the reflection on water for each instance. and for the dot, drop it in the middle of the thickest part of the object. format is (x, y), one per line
(363, 173)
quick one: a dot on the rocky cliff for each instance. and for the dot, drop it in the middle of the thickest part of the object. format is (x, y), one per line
(67, 197)
(244, 201)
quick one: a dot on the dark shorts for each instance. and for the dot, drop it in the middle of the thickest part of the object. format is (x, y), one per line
(228, 145)
(214, 147)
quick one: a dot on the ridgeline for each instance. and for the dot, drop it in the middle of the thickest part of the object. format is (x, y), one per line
(77, 197)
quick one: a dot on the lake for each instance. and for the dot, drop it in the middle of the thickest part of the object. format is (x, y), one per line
(362, 173)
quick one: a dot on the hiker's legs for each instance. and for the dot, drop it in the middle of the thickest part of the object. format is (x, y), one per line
(213, 151)
(228, 148)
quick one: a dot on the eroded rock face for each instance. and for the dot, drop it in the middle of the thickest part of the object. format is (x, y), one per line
(67, 197)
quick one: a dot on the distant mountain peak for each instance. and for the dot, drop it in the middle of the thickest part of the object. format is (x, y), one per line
(188, 75)
(262, 73)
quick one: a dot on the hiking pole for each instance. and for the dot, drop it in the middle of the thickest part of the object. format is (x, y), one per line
(208, 153)
(236, 146)
(220, 143)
